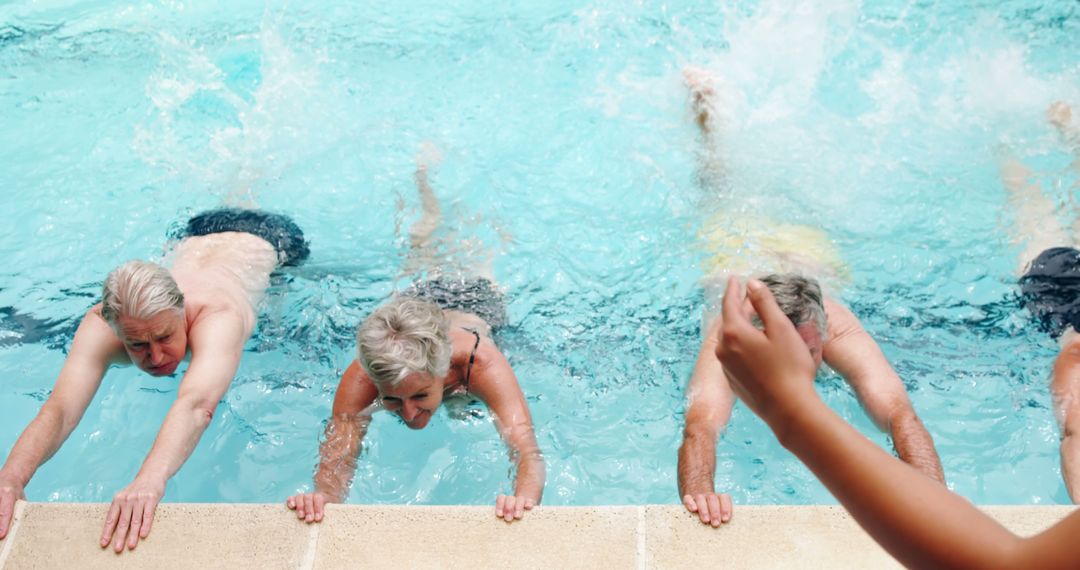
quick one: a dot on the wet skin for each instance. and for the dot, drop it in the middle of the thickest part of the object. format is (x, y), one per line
(415, 399)
(156, 345)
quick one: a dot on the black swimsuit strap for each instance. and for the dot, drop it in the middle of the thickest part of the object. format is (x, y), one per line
(472, 357)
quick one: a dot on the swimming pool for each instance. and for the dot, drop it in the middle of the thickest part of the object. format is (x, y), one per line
(568, 150)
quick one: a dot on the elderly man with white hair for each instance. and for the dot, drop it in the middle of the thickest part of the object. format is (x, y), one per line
(202, 309)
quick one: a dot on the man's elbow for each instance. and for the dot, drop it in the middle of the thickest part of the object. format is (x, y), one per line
(54, 414)
(201, 409)
(204, 415)
(696, 431)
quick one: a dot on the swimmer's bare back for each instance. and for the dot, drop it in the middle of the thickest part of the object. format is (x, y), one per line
(231, 268)
(468, 321)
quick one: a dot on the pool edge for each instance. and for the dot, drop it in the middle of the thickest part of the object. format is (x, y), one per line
(188, 535)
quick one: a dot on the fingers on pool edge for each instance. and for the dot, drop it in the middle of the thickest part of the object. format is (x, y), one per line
(111, 519)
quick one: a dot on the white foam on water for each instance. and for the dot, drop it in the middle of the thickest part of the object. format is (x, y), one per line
(246, 138)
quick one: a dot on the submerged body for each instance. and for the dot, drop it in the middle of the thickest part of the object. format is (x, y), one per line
(1050, 284)
(831, 333)
(430, 343)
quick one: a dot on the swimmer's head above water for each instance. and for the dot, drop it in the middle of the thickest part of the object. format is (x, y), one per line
(144, 306)
(800, 298)
(405, 348)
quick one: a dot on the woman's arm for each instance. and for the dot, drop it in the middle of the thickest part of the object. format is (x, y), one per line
(341, 445)
(914, 518)
(494, 382)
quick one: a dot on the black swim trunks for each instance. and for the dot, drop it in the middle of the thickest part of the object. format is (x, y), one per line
(1051, 289)
(474, 295)
(279, 230)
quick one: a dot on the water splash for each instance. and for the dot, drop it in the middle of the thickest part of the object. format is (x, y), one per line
(233, 119)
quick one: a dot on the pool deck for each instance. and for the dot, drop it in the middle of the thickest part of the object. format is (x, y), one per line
(65, 535)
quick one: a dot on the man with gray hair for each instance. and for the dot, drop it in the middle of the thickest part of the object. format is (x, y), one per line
(743, 246)
(203, 308)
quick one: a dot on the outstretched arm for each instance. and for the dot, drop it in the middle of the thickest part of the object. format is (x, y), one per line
(853, 353)
(94, 347)
(926, 526)
(495, 384)
(709, 402)
(1065, 388)
(348, 423)
(216, 341)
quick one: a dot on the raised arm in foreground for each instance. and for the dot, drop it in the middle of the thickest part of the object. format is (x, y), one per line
(926, 526)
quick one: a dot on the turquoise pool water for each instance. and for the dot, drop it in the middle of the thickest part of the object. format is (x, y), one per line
(569, 151)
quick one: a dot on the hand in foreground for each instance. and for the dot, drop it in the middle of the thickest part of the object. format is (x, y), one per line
(511, 508)
(11, 490)
(711, 508)
(309, 507)
(131, 514)
(770, 370)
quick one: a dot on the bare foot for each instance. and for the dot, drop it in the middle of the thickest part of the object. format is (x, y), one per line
(428, 157)
(1060, 115)
(703, 96)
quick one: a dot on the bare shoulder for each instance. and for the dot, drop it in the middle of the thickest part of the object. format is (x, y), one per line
(355, 392)
(95, 338)
(487, 352)
(491, 371)
(215, 311)
(842, 322)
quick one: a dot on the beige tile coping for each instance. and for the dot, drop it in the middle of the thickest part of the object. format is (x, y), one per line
(204, 536)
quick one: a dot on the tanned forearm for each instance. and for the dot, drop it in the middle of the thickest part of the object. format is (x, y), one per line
(924, 525)
(38, 442)
(337, 457)
(914, 445)
(697, 462)
(530, 475)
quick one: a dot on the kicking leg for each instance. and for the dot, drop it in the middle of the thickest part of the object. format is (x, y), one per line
(430, 212)
(705, 103)
(440, 253)
(1035, 222)
(423, 249)
(1060, 115)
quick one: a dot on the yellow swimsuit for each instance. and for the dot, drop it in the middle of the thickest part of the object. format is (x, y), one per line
(759, 246)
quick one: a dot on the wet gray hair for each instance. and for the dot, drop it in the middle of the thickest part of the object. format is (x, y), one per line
(800, 298)
(404, 336)
(139, 289)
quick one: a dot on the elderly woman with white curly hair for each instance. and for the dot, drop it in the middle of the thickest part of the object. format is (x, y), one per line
(431, 343)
